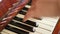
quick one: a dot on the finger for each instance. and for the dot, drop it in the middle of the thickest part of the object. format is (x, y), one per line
(27, 16)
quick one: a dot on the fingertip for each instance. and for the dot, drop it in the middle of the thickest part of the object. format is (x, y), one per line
(25, 18)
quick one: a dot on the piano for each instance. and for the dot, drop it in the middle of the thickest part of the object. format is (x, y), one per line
(44, 25)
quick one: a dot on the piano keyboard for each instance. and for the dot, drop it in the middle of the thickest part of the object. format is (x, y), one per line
(32, 26)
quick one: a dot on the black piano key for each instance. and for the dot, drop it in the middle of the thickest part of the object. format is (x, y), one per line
(25, 8)
(27, 22)
(16, 30)
(22, 12)
(29, 2)
(22, 26)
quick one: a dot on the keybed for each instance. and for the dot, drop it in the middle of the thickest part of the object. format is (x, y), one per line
(44, 25)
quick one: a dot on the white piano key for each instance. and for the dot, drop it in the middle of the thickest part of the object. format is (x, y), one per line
(5, 31)
(48, 28)
(20, 15)
(27, 6)
(42, 31)
(24, 10)
(35, 33)
(47, 22)
(52, 19)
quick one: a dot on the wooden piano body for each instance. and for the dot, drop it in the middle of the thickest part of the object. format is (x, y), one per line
(5, 20)
(6, 13)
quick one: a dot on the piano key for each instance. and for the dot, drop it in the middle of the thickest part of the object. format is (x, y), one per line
(39, 20)
(29, 2)
(47, 22)
(5, 31)
(35, 33)
(48, 28)
(27, 22)
(22, 26)
(16, 30)
(22, 12)
(42, 31)
(22, 16)
(42, 25)
(22, 23)
(25, 8)
(52, 19)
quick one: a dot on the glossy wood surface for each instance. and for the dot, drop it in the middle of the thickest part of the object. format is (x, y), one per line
(5, 5)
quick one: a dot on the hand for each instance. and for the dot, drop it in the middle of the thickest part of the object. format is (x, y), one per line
(41, 8)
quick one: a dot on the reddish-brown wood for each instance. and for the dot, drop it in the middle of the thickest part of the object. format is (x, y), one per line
(5, 15)
(5, 5)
